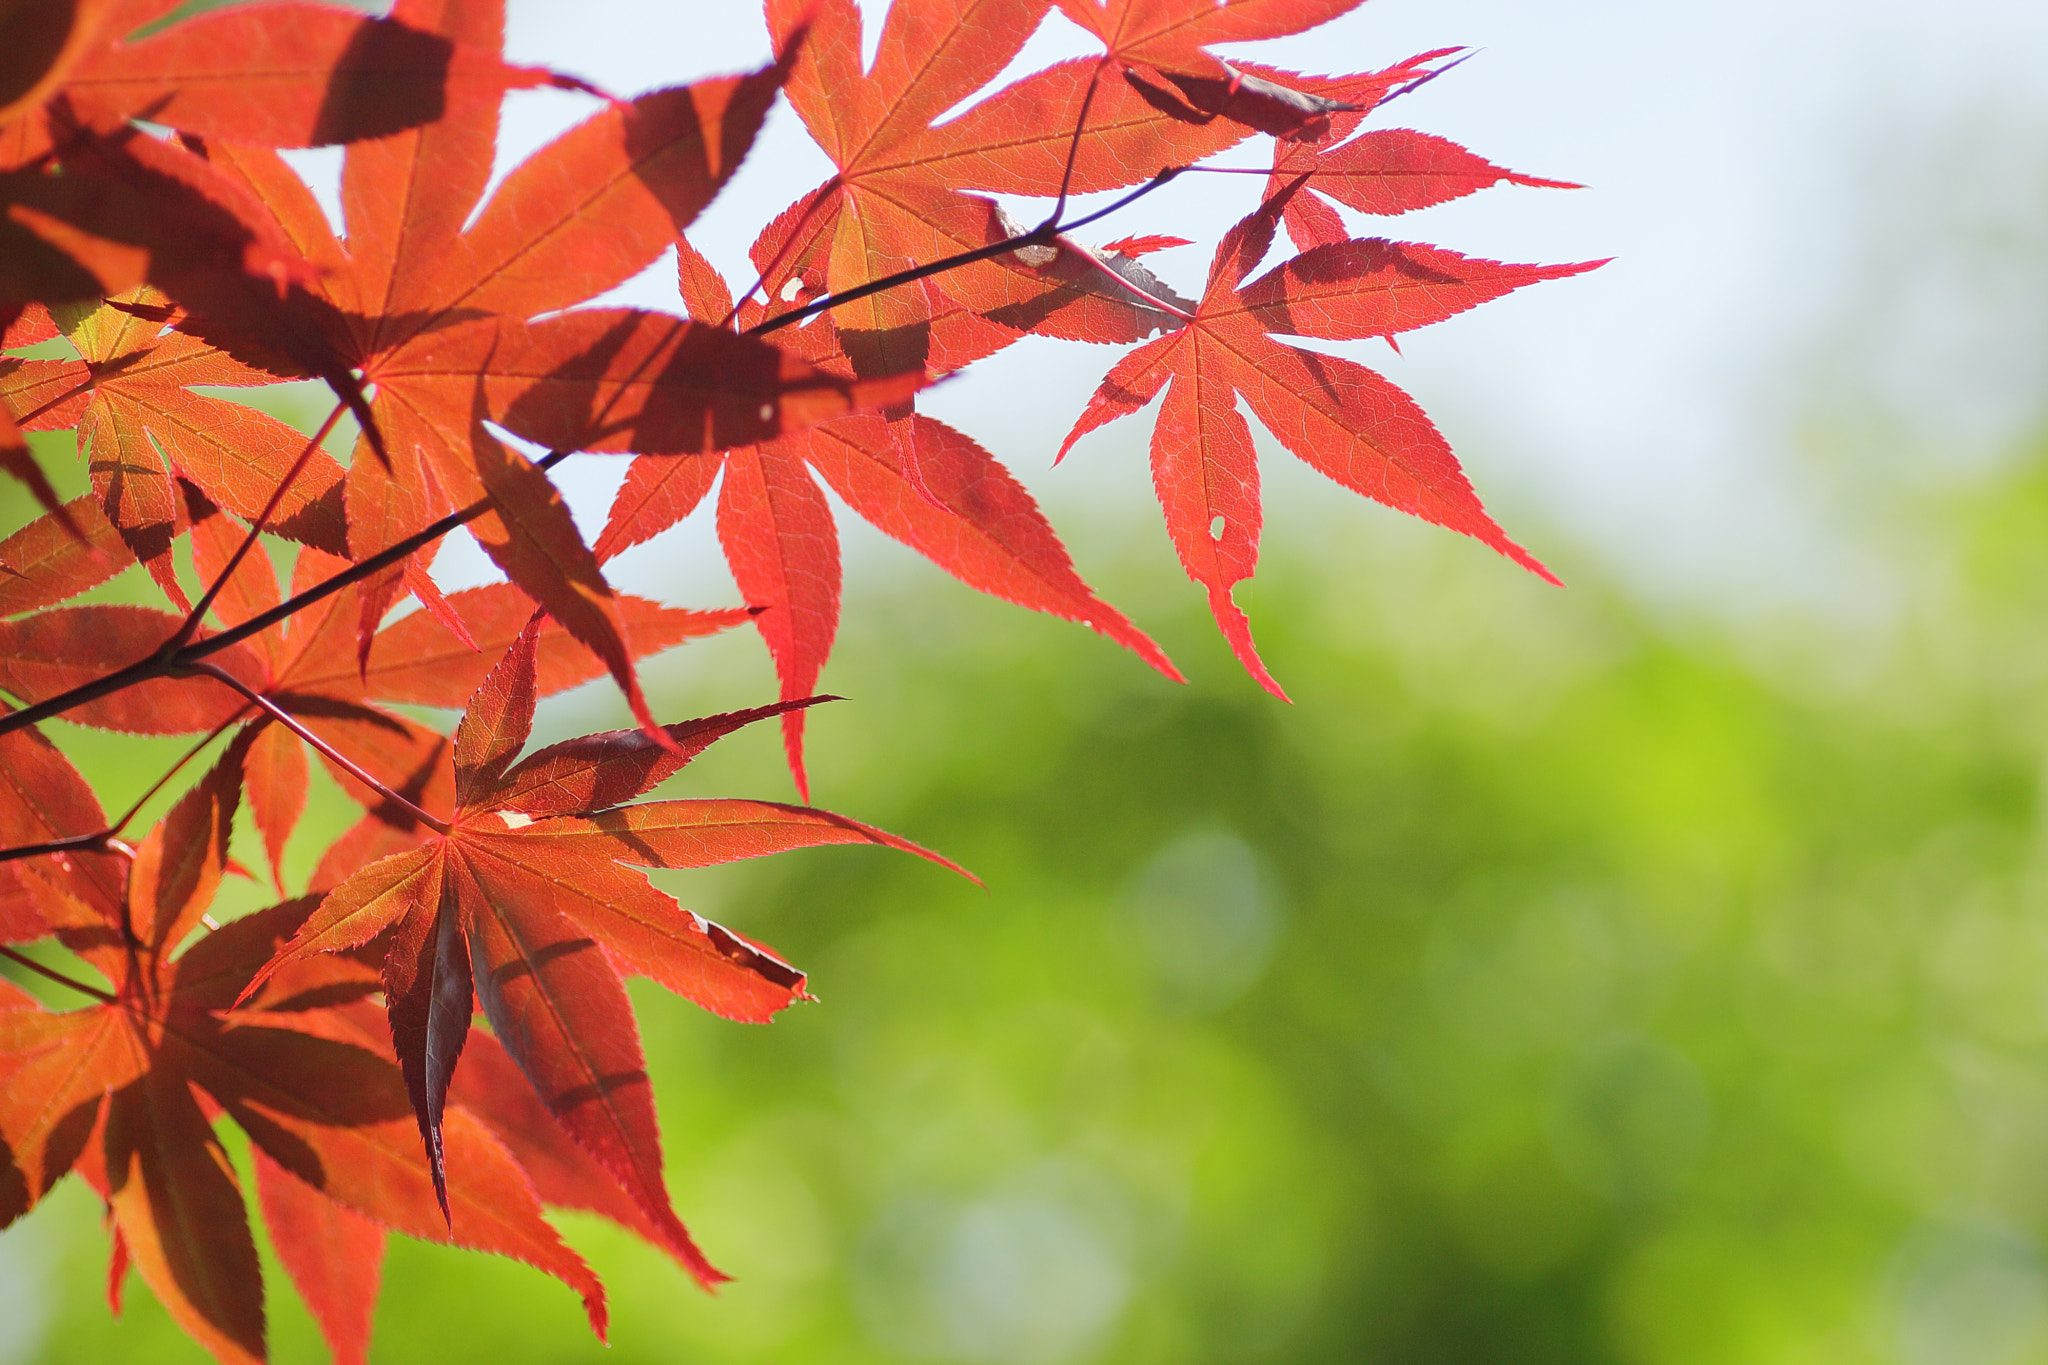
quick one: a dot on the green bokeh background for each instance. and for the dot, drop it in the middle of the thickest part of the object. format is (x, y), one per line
(1556, 981)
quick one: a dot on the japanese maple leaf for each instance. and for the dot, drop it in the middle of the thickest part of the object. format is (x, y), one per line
(1337, 416)
(1158, 45)
(581, 215)
(895, 199)
(963, 511)
(60, 555)
(154, 213)
(44, 798)
(1384, 171)
(127, 1090)
(283, 74)
(312, 674)
(521, 903)
(128, 209)
(144, 429)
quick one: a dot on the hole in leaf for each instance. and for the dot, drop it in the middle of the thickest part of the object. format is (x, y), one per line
(1216, 527)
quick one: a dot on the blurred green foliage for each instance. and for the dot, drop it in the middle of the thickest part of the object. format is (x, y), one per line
(1555, 982)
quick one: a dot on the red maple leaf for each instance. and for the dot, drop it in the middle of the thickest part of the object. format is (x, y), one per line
(144, 429)
(1339, 417)
(521, 903)
(306, 667)
(431, 307)
(959, 508)
(127, 208)
(126, 1092)
(896, 200)
(1384, 171)
(284, 74)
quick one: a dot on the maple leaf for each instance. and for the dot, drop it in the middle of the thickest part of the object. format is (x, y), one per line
(959, 508)
(150, 212)
(895, 200)
(60, 555)
(428, 305)
(1340, 418)
(284, 74)
(44, 798)
(522, 903)
(144, 429)
(1158, 44)
(125, 1092)
(1384, 171)
(128, 209)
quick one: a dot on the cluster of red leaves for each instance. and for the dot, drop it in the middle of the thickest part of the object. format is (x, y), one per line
(152, 233)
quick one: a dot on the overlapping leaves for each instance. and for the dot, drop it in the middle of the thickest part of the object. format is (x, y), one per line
(458, 327)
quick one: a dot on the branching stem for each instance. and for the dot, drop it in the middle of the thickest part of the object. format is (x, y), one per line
(160, 665)
(107, 839)
(183, 652)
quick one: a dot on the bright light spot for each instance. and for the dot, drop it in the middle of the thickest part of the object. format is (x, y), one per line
(1024, 1276)
(1970, 1296)
(1205, 919)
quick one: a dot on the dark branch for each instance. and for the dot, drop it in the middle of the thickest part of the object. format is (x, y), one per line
(181, 660)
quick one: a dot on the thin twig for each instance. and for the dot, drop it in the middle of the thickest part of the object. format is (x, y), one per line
(1059, 205)
(1038, 236)
(54, 975)
(105, 839)
(70, 842)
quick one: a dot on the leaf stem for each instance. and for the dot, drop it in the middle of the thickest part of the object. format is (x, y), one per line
(194, 617)
(341, 760)
(53, 974)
